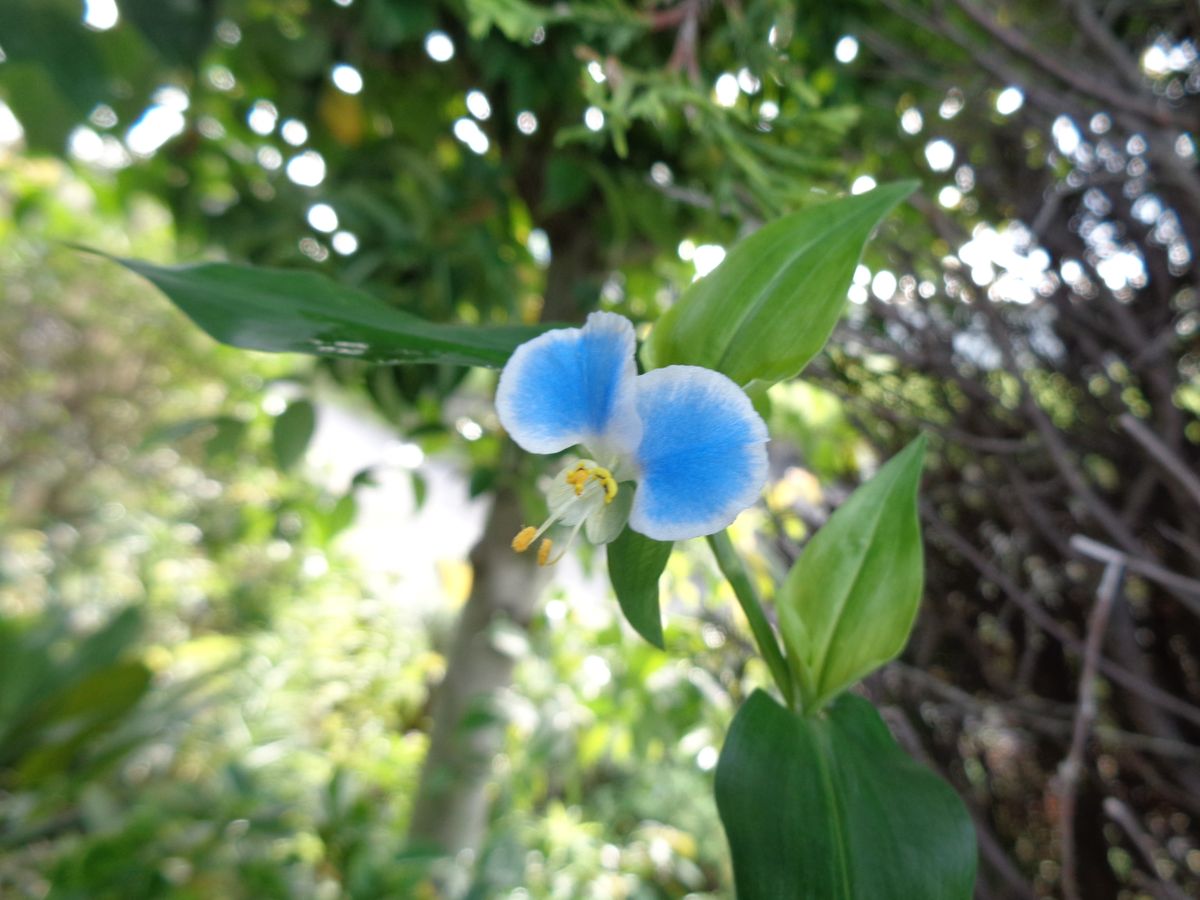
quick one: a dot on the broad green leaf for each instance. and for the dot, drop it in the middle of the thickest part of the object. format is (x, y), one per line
(831, 808)
(848, 603)
(279, 310)
(87, 708)
(635, 563)
(773, 302)
(293, 430)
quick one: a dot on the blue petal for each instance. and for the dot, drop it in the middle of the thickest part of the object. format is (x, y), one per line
(703, 456)
(573, 386)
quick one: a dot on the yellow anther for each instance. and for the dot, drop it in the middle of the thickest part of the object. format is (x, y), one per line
(544, 551)
(524, 538)
(577, 478)
(607, 482)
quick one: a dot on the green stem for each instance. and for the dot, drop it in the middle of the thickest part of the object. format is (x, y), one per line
(734, 570)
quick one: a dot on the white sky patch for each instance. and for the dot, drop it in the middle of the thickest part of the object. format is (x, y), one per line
(950, 197)
(706, 258)
(262, 117)
(404, 454)
(307, 169)
(294, 132)
(1066, 135)
(952, 105)
(469, 132)
(159, 123)
(846, 49)
(346, 78)
(593, 118)
(538, 244)
(100, 15)
(862, 184)
(596, 71)
(912, 121)
(686, 250)
(862, 275)
(527, 122)
(468, 428)
(1162, 57)
(323, 217)
(1072, 271)
(748, 81)
(439, 46)
(345, 243)
(596, 675)
(769, 110)
(1124, 269)
(87, 146)
(939, 153)
(478, 105)
(660, 174)
(1009, 100)
(1008, 260)
(726, 90)
(883, 285)
(10, 128)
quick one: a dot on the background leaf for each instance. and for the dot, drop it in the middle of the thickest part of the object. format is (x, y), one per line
(635, 563)
(830, 808)
(293, 430)
(279, 310)
(848, 603)
(771, 305)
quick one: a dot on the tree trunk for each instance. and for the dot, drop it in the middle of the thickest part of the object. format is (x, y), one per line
(451, 808)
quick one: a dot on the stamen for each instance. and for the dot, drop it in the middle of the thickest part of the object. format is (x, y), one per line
(577, 478)
(588, 481)
(524, 538)
(605, 477)
(563, 551)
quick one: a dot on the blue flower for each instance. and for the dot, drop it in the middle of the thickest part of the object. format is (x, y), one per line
(688, 437)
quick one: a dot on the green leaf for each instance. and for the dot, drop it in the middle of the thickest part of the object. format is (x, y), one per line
(635, 563)
(227, 434)
(773, 302)
(482, 480)
(341, 516)
(420, 489)
(280, 311)
(293, 430)
(830, 808)
(848, 603)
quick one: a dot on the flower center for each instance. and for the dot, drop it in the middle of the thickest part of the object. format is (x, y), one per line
(579, 476)
(579, 492)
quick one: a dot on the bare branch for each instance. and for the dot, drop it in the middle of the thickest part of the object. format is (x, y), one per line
(1071, 770)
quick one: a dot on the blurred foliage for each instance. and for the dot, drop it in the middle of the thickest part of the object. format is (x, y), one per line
(139, 463)
(271, 715)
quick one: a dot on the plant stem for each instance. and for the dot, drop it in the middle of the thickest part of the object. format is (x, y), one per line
(735, 573)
